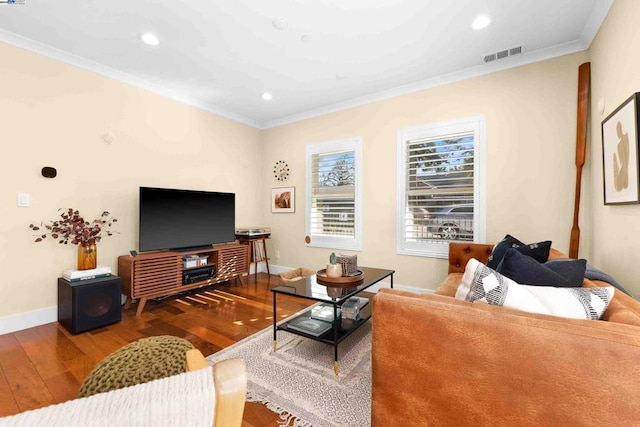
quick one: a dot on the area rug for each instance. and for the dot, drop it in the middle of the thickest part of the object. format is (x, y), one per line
(298, 382)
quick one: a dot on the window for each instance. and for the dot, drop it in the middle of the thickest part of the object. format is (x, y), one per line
(440, 186)
(333, 205)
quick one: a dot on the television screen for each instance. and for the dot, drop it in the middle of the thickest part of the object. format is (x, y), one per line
(184, 219)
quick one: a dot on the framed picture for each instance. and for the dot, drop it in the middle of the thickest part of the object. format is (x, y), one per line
(620, 153)
(283, 200)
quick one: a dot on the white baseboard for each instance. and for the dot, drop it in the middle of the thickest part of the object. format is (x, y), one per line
(21, 321)
(34, 318)
(31, 319)
(277, 269)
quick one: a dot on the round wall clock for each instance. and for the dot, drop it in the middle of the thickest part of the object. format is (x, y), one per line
(281, 170)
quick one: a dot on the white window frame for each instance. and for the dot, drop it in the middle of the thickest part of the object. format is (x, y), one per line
(475, 124)
(353, 243)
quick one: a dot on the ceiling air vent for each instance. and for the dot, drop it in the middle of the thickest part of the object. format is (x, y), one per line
(489, 58)
(501, 54)
(515, 50)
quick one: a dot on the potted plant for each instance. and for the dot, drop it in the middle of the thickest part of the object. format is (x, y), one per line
(333, 268)
(72, 228)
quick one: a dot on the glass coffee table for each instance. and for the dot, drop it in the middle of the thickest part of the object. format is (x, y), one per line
(309, 288)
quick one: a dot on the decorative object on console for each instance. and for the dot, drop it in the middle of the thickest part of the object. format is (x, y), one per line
(189, 261)
(333, 268)
(482, 284)
(281, 171)
(620, 153)
(283, 200)
(72, 228)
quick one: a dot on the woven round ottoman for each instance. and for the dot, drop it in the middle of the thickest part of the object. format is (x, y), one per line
(141, 361)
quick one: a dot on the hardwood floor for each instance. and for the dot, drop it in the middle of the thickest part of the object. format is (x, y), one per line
(46, 364)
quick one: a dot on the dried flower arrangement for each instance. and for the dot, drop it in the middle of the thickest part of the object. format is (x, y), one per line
(72, 228)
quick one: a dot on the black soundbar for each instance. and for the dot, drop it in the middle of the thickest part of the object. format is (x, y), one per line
(198, 274)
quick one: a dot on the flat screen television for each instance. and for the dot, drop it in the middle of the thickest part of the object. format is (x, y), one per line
(184, 219)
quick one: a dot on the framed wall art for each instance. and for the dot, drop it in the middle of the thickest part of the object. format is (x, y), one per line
(620, 153)
(283, 200)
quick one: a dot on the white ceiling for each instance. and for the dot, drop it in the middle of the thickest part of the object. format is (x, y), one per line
(220, 55)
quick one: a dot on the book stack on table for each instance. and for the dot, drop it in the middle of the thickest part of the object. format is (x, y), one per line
(324, 312)
(319, 322)
(309, 325)
(78, 275)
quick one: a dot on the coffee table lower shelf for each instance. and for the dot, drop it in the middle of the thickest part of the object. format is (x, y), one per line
(326, 337)
(332, 336)
(309, 288)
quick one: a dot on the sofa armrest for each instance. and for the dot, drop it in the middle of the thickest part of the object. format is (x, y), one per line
(230, 378)
(440, 361)
(200, 397)
(194, 360)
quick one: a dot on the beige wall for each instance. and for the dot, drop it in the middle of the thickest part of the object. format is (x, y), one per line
(530, 131)
(615, 77)
(55, 114)
(52, 114)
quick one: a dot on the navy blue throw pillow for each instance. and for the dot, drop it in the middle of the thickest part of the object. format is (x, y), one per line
(574, 270)
(538, 251)
(525, 270)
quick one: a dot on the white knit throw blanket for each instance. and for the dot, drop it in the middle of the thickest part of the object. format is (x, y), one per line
(181, 400)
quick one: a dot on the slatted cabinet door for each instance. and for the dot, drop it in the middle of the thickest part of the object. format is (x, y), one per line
(233, 261)
(155, 276)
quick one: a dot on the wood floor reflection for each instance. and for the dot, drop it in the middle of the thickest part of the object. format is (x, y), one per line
(46, 364)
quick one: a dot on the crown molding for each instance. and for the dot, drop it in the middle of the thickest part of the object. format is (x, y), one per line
(590, 30)
(477, 71)
(68, 58)
(596, 18)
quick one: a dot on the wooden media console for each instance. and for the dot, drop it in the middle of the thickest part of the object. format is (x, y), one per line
(159, 274)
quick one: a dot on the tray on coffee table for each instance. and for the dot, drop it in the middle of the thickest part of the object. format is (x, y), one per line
(342, 281)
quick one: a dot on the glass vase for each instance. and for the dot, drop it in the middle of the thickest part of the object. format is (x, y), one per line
(87, 256)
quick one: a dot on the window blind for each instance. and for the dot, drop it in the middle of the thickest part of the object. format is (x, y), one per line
(333, 198)
(439, 197)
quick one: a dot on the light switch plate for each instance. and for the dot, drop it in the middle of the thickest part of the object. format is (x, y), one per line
(23, 200)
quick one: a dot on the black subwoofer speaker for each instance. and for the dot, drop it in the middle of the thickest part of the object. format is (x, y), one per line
(89, 304)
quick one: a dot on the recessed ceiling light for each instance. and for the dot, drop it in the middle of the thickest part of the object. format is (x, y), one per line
(267, 96)
(305, 38)
(280, 23)
(481, 22)
(341, 76)
(150, 39)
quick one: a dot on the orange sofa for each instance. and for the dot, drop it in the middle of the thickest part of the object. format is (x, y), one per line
(439, 361)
